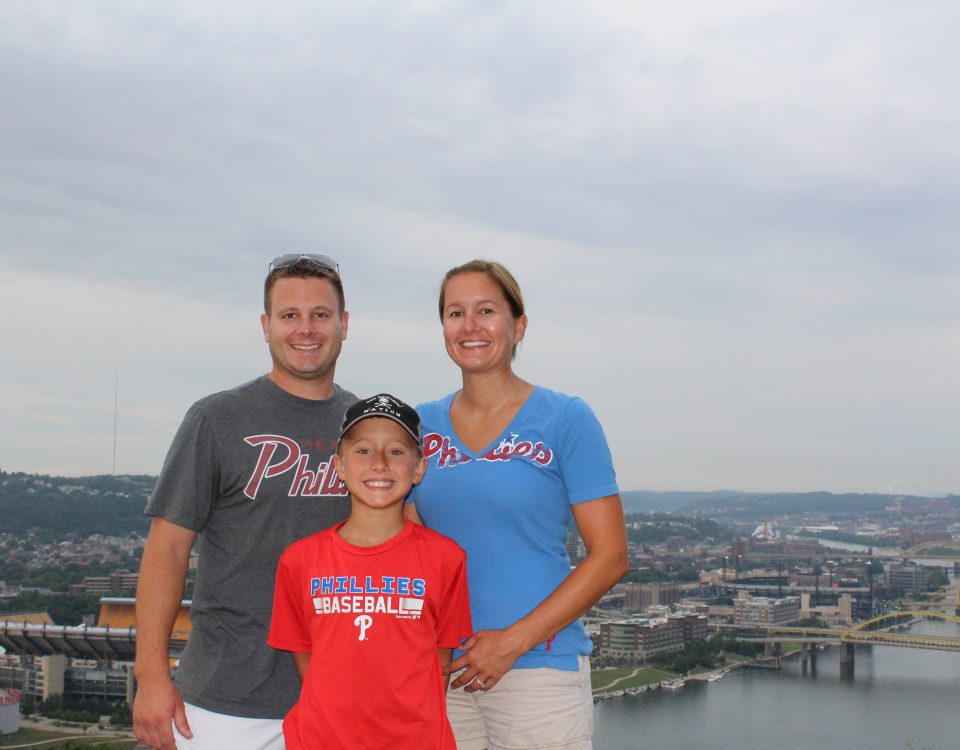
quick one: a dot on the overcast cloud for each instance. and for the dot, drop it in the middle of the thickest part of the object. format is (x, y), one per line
(735, 223)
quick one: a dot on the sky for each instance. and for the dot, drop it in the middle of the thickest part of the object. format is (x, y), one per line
(735, 224)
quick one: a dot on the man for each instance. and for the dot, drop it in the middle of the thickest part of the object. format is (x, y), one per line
(249, 472)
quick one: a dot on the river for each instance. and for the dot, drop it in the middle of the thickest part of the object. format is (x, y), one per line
(896, 698)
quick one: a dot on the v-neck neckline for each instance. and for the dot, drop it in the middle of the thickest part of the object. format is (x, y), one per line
(464, 448)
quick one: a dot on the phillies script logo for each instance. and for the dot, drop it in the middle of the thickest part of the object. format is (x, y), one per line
(435, 444)
(278, 455)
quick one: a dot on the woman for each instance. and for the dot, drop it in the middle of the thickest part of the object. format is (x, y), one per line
(509, 464)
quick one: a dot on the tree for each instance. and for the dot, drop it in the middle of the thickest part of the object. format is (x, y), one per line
(937, 579)
(122, 717)
(63, 609)
(27, 704)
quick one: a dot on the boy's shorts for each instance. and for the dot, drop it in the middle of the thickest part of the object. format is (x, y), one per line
(213, 731)
(528, 708)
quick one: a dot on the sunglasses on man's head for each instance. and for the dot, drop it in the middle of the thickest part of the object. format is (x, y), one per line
(291, 259)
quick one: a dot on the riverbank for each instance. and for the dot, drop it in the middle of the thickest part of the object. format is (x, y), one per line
(41, 733)
(615, 683)
(605, 680)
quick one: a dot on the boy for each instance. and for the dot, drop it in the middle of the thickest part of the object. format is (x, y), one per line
(372, 607)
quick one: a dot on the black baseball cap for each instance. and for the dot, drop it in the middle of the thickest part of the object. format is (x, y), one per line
(386, 406)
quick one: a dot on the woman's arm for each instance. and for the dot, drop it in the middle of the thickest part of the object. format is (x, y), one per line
(493, 652)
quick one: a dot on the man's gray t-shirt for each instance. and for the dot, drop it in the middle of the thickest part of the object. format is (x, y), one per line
(250, 471)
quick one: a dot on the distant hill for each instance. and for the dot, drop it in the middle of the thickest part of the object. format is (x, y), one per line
(52, 507)
(113, 505)
(649, 501)
(733, 504)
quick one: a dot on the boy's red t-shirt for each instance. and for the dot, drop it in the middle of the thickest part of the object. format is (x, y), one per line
(372, 619)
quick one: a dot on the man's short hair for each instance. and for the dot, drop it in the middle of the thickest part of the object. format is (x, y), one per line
(303, 269)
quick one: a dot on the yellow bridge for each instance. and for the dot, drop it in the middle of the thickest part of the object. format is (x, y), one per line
(869, 632)
(935, 549)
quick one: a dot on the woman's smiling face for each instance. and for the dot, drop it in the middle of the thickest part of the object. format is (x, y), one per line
(479, 329)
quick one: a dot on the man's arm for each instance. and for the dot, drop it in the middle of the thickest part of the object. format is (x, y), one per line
(163, 570)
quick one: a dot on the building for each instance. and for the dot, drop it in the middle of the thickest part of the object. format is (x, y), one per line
(121, 582)
(42, 677)
(762, 610)
(839, 614)
(84, 663)
(81, 680)
(26, 618)
(9, 712)
(906, 579)
(97, 585)
(695, 627)
(574, 545)
(640, 638)
(88, 681)
(637, 597)
(909, 536)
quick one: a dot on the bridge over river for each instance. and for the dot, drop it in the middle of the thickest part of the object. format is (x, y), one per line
(938, 551)
(878, 631)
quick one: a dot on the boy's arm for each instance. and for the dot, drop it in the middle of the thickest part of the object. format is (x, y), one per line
(302, 661)
(446, 654)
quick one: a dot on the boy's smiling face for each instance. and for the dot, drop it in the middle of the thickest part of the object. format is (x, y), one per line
(379, 462)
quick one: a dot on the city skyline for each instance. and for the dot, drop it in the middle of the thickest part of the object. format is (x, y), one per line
(735, 227)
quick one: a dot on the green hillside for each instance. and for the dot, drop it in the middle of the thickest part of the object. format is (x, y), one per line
(53, 507)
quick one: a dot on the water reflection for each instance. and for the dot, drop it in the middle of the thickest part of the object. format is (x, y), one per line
(893, 696)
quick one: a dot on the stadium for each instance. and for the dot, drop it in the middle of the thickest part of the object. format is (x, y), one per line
(82, 663)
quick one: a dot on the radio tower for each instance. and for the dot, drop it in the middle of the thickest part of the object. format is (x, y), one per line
(116, 389)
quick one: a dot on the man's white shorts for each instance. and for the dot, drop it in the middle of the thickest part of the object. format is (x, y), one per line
(213, 731)
(528, 708)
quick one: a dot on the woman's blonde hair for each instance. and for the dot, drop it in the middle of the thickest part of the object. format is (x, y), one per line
(504, 279)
